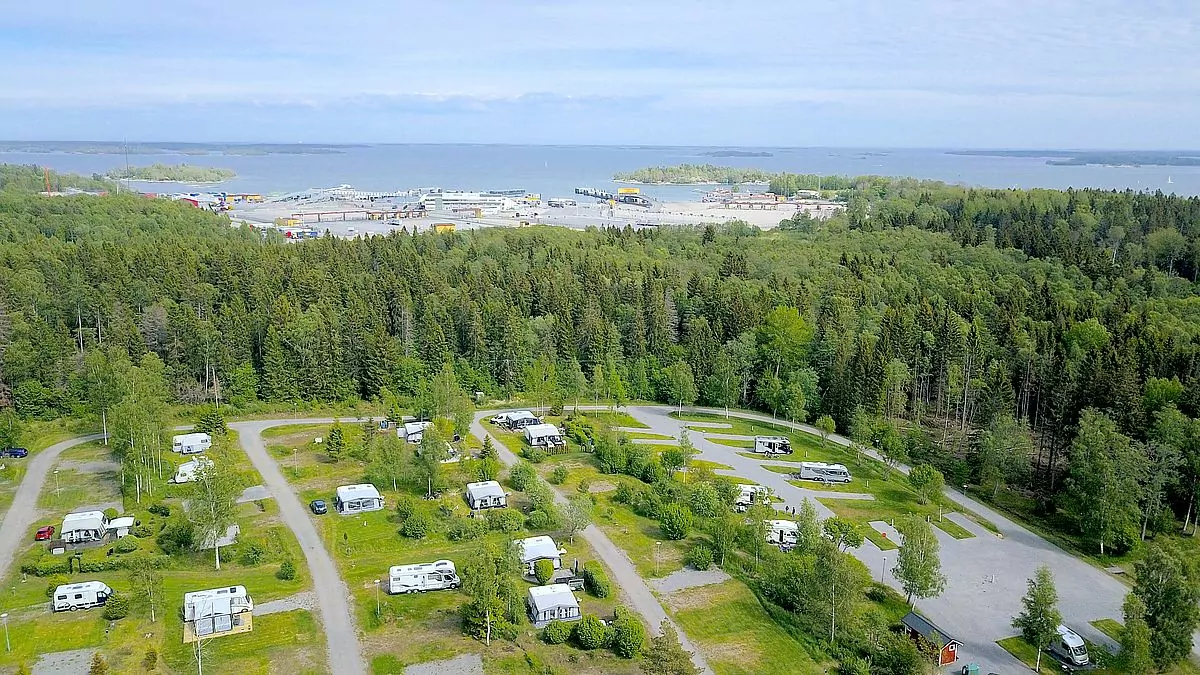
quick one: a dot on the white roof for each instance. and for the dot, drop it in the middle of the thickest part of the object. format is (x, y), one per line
(213, 602)
(191, 438)
(554, 595)
(784, 525)
(753, 488)
(520, 415)
(84, 520)
(535, 548)
(1069, 636)
(487, 488)
(117, 523)
(362, 491)
(542, 430)
(416, 427)
(195, 464)
(439, 566)
(822, 465)
(770, 438)
(83, 586)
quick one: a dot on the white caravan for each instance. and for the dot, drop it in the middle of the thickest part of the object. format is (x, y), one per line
(187, 472)
(83, 526)
(750, 494)
(191, 444)
(350, 499)
(772, 445)
(782, 532)
(413, 432)
(825, 473)
(1070, 647)
(80, 596)
(217, 611)
(422, 577)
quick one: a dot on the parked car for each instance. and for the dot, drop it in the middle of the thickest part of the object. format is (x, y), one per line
(44, 533)
(318, 507)
(14, 452)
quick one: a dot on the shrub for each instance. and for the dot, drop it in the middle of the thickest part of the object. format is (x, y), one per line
(542, 519)
(535, 455)
(559, 475)
(111, 513)
(543, 571)
(126, 545)
(117, 607)
(160, 509)
(416, 527)
(628, 635)
(589, 633)
(252, 554)
(405, 507)
(505, 520)
(47, 566)
(522, 476)
(142, 531)
(287, 570)
(150, 660)
(557, 632)
(700, 557)
(676, 521)
(175, 537)
(626, 492)
(584, 487)
(466, 529)
(595, 580)
(54, 581)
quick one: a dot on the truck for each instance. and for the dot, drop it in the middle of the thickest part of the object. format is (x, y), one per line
(422, 577)
(822, 472)
(1069, 647)
(191, 444)
(87, 594)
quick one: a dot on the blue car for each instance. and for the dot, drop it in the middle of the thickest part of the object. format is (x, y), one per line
(14, 452)
(318, 507)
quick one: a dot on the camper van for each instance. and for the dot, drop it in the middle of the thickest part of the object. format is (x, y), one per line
(772, 445)
(188, 471)
(750, 494)
(784, 532)
(1070, 647)
(191, 444)
(422, 577)
(80, 596)
(825, 473)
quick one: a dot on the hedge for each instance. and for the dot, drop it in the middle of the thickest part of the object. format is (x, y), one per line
(595, 580)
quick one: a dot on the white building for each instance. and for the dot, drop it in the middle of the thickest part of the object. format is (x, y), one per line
(487, 494)
(216, 612)
(191, 444)
(772, 445)
(413, 432)
(555, 602)
(187, 472)
(349, 499)
(83, 526)
(421, 577)
(544, 436)
(449, 200)
(782, 531)
(538, 548)
(80, 596)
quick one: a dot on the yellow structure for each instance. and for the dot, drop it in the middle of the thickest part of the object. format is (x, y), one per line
(629, 191)
(287, 222)
(443, 227)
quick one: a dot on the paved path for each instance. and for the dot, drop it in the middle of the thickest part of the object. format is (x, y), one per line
(625, 575)
(345, 656)
(302, 600)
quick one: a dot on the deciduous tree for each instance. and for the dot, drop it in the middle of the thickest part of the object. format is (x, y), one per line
(1039, 619)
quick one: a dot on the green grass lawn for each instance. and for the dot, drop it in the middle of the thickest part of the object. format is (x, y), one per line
(736, 634)
(892, 502)
(1027, 654)
(614, 419)
(878, 539)
(648, 436)
(711, 466)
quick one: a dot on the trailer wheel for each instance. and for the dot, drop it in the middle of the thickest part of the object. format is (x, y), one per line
(73, 608)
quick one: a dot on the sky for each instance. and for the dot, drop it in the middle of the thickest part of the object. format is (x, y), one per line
(854, 73)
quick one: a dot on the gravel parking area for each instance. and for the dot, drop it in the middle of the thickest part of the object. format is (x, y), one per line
(467, 664)
(688, 578)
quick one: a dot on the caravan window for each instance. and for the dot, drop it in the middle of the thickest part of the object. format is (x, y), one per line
(61, 597)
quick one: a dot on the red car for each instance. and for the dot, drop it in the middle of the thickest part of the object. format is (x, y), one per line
(44, 534)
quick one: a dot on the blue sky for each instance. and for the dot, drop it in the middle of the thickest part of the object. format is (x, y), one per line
(899, 73)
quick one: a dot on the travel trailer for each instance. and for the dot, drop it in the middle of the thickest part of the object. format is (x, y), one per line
(772, 445)
(1070, 647)
(750, 494)
(825, 473)
(217, 611)
(80, 596)
(487, 494)
(544, 436)
(413, 432)
(350, 499)
(555, 602)
(783, 532)
(187, 472)
(422, 577)
(191, 444)
(543, 547)
(84, 526)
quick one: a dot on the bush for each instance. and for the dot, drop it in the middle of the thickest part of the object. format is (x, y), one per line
(542, 519)
(557, 632)
(589, 633)
(676, 521)
(405, 507)
(584, 487)
(626, 492)
(287, 570)
(559, 475)
(160, 509)
(466, 529)
(111, 513)
(416, 527)
(535, 455)
(142, 531)
(522, 476)
(628, 635)
(543, 571)
(175, 537)
(700, 557)
(150, 660)
(252, 554)
(505, 520)
(126, 545)
(117, 607)
(595, 580)
(54, 582)
(47, 565)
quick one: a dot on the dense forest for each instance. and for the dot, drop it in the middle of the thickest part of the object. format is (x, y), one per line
(688, 174)
(176, 173)
(1042, 341)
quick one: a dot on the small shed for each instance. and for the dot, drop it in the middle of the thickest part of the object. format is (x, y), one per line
(120, 527)
(487, 494)
(538, 548)
(350, 499)
(544, 436)
(555, 602)
(919, 628)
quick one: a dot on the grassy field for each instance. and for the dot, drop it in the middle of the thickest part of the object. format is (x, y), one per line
(1027, 654)
(711, 466)
(614, 419)
(37, 436)
(891, 503)
(645, 435)
(735, 632)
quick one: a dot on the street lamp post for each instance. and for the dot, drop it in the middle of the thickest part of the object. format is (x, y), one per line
(56, 486)
(377, 599)
(882, 569)
(656, 545)
(7, 644)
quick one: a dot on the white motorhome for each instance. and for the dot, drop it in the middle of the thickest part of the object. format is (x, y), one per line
(544, 436)
(555, 602)
(486, 494)
(187, 472)
(217, 611)
(80, 596)
(825, 473)
(350, 499)
(1070, 647)
(772, 445)
(83, 526)
(782, 532)
(422, 577)
(538, 548)
(413, 432)
(191, 444)
(750, 494)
